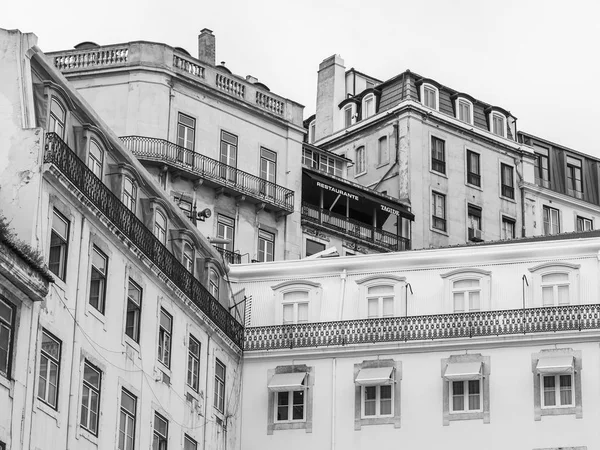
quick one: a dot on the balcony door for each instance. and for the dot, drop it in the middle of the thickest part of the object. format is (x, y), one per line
(226, 230)
(268, 169)
(228, 156)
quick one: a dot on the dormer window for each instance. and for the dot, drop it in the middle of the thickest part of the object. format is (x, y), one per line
(96, 158)
(349, 115)
(464, 110)
(368, 106)
(311, 132)
(429, 96)
(498, 124)
(57, 118)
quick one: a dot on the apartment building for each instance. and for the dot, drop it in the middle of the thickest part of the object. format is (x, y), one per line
(137, 344)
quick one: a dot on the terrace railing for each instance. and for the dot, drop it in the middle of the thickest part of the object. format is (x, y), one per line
(211, 169)
(424, 328)
(75, 170)
(229, 256)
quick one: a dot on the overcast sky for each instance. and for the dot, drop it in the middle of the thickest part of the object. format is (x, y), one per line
(538, 59)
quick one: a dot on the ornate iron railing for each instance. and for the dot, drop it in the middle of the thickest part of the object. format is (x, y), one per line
(75, 170)
(229, 256)
(211, 169)
(431, 327)
(354, 228)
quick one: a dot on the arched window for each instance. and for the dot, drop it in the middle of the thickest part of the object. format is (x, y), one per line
(429, 95)
(160, 227)
(298, 301)
(129, 193)
(464, 110)
(555, 284)
(96, 158)
(382, 296)
(466, 295)
(368, 106)
(361, 160)
(57, 118)
(188, 258)
(498, 124)
(213, 283)
(311, 132)
(295, 307)
(555, 289)
(380, 301)
(467, 290)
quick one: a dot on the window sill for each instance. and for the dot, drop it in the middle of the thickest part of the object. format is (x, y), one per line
(439, 174)
(289, 426)
(8, 384)
(561, 411)
(360, 174)
(90, 310)
(442, 232)
(87, 435)
(45, 408)
(508, 199)
(467, 416)
(364, 421)
(474, 186)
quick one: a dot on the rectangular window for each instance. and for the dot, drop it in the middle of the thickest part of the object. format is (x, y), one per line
(542, 172)
(189, 443)
(57, 118)
(193, 374)
(98, 279)
(7, 322)
(90, 398)
(361, 163)
(228, 155)
(377, 401)
(473, 170)
(186, 131)
(96, 159)
(498, 125)
(574, 186)
(508, 185)
(290, 406)
(213, 283)
(369, 107)
(268, 172)
(311, 132)
(59, 238)
(555, 289)
(508, 228)
(382, 151)
(134, 308)
(226, 230)
(438, 155)
(584, 224)
(266, 246)
(347, 116)
(129, 194)
(329, 165)
(438, 211)
(464, 111)
(380, 301)
(429, 97)
(557, 390)
(465, 395)
(161, 433)
(127, 421)
(551, 221)
(219, 400)
(49, 369)
(313, 247)
(466, 295)
(474, 222)
(165, 329)
(295, 307)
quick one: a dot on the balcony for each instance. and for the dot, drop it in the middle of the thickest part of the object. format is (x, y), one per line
(425, 328)
(229, 256)
(101, 197)
(217, 174)
(366, 234)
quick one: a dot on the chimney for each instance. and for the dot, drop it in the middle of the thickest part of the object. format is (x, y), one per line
(331, 91)
(206, 47)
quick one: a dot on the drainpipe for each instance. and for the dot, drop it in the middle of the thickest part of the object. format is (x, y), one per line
(343, 277)
(522, 190)
(333, 386)
(206, 394)
(30, 379)
(170, 82)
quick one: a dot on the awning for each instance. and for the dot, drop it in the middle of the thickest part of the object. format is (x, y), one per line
(287, 381)
(463, 371)
(374, 376)
(356, 193)
(555, 365)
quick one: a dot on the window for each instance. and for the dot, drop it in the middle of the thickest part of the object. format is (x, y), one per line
(186, 130)
(219, 400)
(555, 289)
(134, 308)
(429, 96)
(226, 230)
(268, 172)
(57, 118)
(57, 261)
(188, 257)
(295, 307)
(466, 295)
(311, 132)
(382, 151)
(189, 443)
(551, 220)
(127, 421)
(542, 173)
(473, 170)
(508, 228)
(49, 369)
(361, 163)
(584, 224)
(557, 390)
(349, 115)
(438, 155)
(508, 186)
(377, 401)
(90, 398)
(290, 398)
(324, 163)
(377, 393)
(465, 396)
(380, 301)
(213, 283)
(129, 193)
(184, 205)
(193, 372)
(96, 158)
(464, 110)
(574, 186)
(313, 247)
(164, 338)
(467, 290)
(266, 246)
(161, 433)
(290, 406)
(7, 322)
(98, 279)
(228, 155)
(498, 124)
(474, 223)
(438, 209)
(368, 106)
(160, 227)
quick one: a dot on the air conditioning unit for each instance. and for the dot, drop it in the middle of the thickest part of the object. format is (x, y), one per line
(475, 235)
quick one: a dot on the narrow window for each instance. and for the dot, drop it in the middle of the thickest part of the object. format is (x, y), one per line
(268, 172)
(382, 151)
(7, 322)
(466, 295)
(361, 164)
(542, 172)
(551, 221)
(57, 118)
(380, 301)
(311, 132)
(465, 395)
(508, 186)
(430, 97)
(161, 433)
(127, 421)
(160, 227)
(186, 131)
(96, 159)
(295, 307)
(498, 126)
(377, 401)
(348, 116)
(368, 106)
(508, 228)
(219, 400)
(134, 309)
(584, 224)
(555, 289)
(90, 398)
(313, 247)
(473, 170)
(213, 283)
(193, 373)
(228, 155)
(464, 111)
(438, 209)
(189, 443)
(188, 258)
(438, 155)
(574, 186)
(164, 338)
(266, 246)
(474, 222)
(57, 261)
(129, 194)
(98, 279)
(226, 230)
(49, 369)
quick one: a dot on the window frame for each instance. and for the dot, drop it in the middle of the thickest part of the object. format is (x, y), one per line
(56, 362)
(129, 199)
(438, 165)
(157, 436)
(312, 241)
(295, 305)
(187, 441)
(213, 283)
(95, 164)
(580, 224)
(314, 297)
(187, 256)
(507, 190)
(542, 174)
(383, 151)
(466, 394)
(165, 339)
(97, 390)
(441, 224)
(266, 237)
(436, 95)
(541, 270)
(219, 387)
(181, 125)
(290, 406)
(10, 326)
(160, 232)
(132, 415)
(466, 294)
(364, 106)
(53, 119)
(136, 310)
(193, 368)
(64, 245)
(312, 128)
(549, 226)
(360, 161)
(460, 101)
(492, 117)
(350, 109)
(101, 278)
(224, 223)
(513, 222)
(307, 423)
(574, 183)
(557, 378)
(473, 176)
(468, 273)
(474, 217)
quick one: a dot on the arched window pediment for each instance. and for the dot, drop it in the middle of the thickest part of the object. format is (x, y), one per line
(554, 267)
(296, 285)
(466, 273)
(380, 280)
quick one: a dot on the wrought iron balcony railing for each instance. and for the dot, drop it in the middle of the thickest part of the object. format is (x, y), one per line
(211, 169)
(431, 327)
(229, 256)
(353, 228)
(75, 170)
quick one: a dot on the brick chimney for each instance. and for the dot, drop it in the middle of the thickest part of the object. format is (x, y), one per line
(206, 47)
(331, 90)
